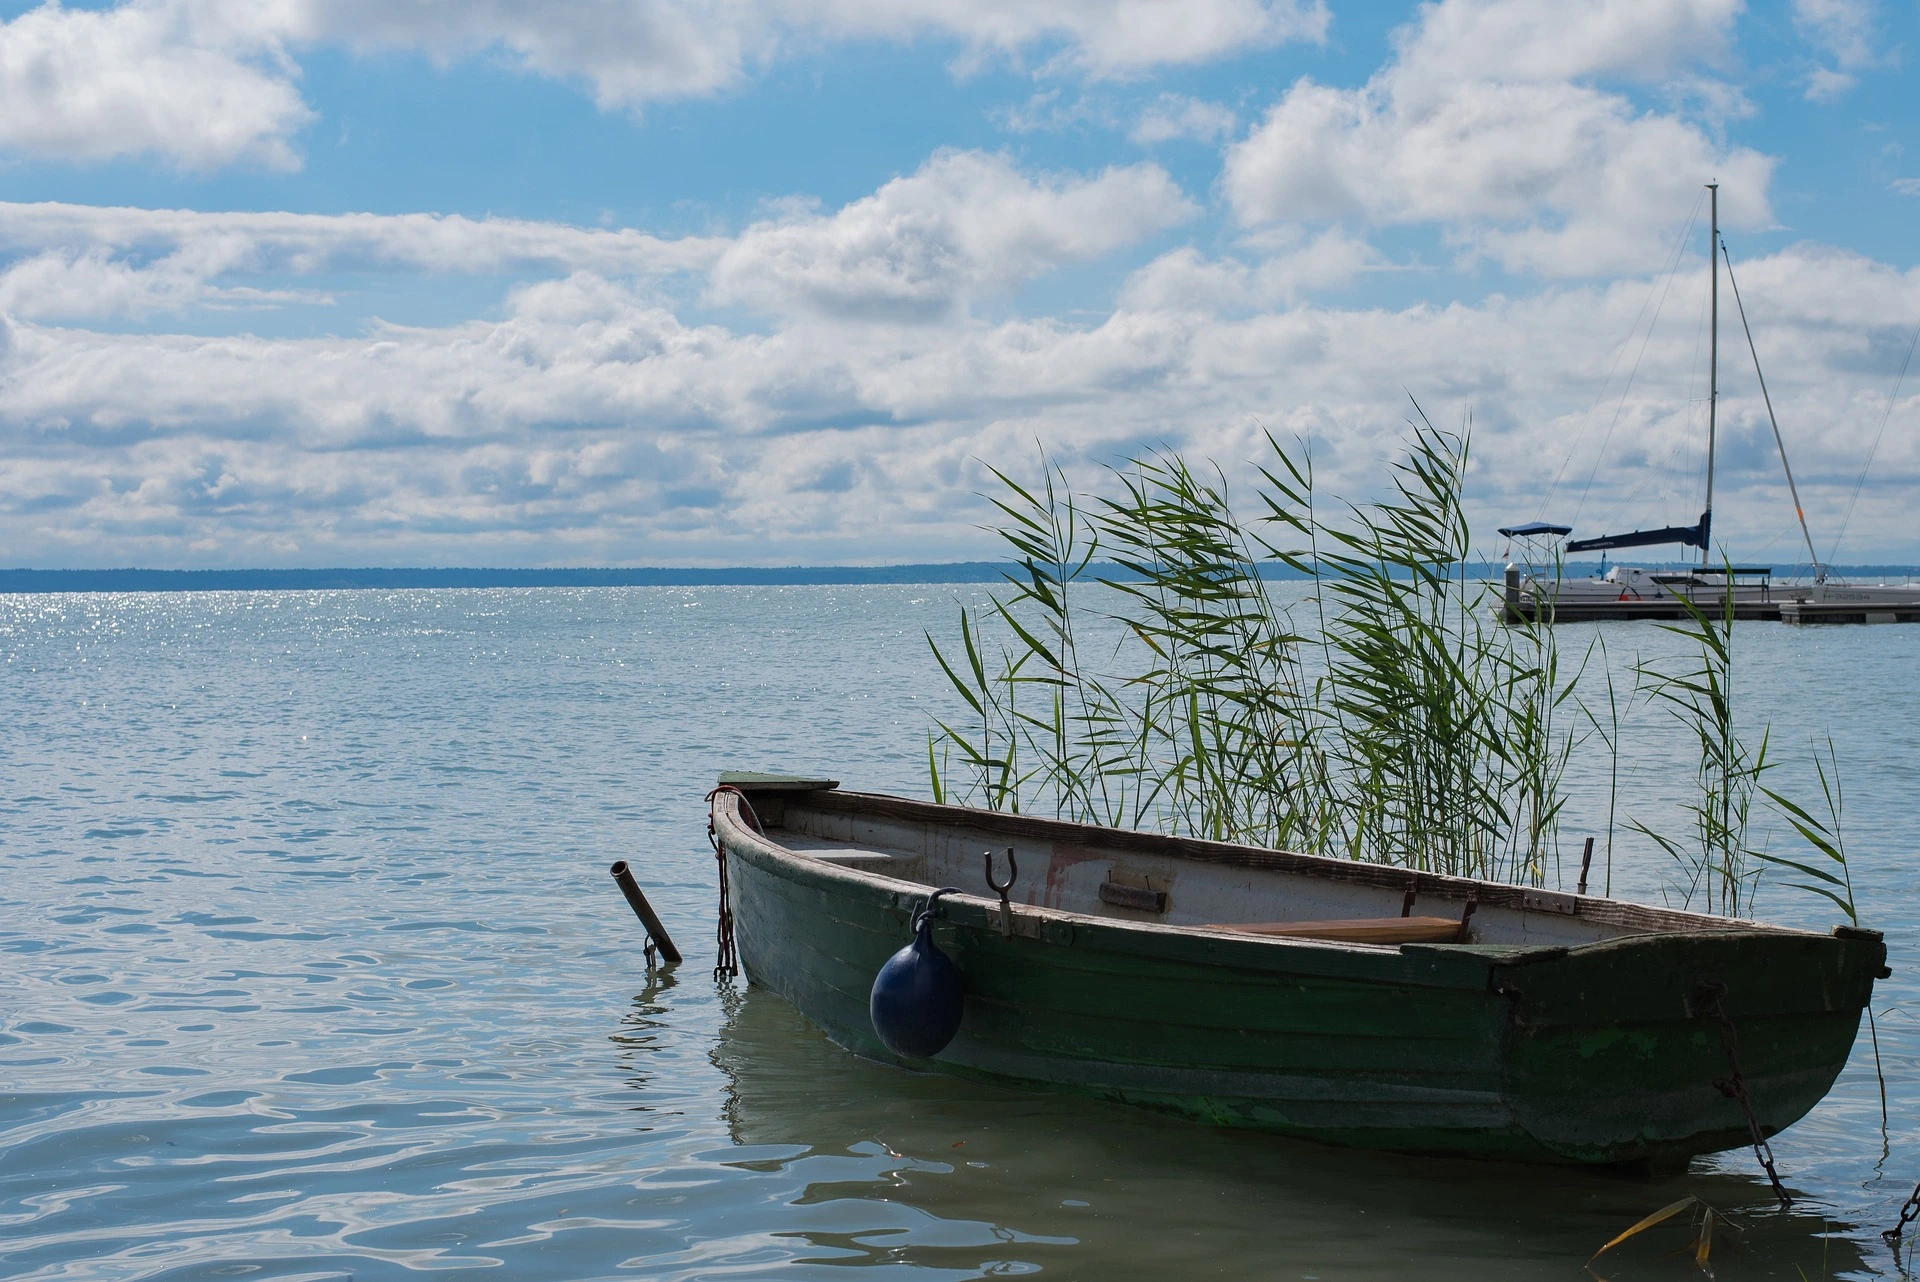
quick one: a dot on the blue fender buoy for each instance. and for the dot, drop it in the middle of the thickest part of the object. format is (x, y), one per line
(917, 997)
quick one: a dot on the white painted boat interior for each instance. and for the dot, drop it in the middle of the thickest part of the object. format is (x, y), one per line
(1197, 893)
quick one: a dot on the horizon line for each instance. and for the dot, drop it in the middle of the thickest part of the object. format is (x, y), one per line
(23, 580)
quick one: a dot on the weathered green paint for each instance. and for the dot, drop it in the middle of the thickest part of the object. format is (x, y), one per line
(1594, 1053)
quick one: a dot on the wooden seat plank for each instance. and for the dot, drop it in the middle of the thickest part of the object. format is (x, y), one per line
(1357, 930)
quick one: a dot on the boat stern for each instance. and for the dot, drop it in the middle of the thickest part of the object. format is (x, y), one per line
(1627, 1050)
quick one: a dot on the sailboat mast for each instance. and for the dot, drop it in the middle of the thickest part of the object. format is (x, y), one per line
(1713, 363)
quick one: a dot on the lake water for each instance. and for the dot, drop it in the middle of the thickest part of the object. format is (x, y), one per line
(310, 967)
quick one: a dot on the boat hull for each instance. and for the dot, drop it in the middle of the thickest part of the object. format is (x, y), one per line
(1602, 1053)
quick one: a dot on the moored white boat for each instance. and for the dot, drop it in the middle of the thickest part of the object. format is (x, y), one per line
(1535, 588)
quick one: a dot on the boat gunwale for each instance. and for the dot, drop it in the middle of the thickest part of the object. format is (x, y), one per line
(1028, 918)
(1494, 894)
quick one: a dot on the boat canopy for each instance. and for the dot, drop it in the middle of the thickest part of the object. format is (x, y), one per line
(1534, 530)
(1691, 535)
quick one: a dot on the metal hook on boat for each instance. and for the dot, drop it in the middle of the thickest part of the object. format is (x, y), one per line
(1001, 889)
(925, 915)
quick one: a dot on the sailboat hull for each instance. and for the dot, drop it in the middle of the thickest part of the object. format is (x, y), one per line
(1627, 593)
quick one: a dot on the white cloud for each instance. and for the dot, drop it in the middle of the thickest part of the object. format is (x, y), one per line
(1186, 280)
(1102, 37)
(634, 54)
(1824, 84)
(1528, 41)
(588, 423)
(305, 243)
(921, 245)
(1174, 115)
(1050, 111)
(964, 224)
(77, 262)
(1906, 186)
(1844, 31)
(628, 54)
(151, 76)
(60, 285)
(1481, 125)
(204, 83)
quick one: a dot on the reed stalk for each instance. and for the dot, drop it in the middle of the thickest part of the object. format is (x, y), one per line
(1832, 879)
(1717, 863)
(1609, 736)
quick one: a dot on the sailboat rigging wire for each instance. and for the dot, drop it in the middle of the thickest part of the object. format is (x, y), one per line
(1660, 479)
(1671, 270)
(1891, 399)
(1660, 474)
(1781, 445)
(1663, 474)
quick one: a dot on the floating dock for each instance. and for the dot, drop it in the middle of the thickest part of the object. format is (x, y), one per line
(1832, 611)
(1666, 610)
(1662, 597)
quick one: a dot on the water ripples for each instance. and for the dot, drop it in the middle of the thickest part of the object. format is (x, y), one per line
(310, 968)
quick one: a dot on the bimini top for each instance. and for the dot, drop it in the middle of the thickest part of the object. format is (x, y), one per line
(1534, 530)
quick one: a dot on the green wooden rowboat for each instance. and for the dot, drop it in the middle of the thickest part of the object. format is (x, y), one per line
(1258, 988)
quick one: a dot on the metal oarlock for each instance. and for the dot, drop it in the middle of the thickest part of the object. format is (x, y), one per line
(1001, 889)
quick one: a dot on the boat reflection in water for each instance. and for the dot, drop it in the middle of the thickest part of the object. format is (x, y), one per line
(907, 1171)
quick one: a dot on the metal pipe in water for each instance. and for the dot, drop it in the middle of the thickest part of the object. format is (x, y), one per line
(623, 877)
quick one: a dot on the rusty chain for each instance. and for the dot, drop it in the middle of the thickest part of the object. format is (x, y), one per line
(1734, 1086)
(1909, 1212)
(727, 963)
(727, 966)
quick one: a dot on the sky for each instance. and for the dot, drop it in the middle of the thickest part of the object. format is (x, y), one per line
(774, 282)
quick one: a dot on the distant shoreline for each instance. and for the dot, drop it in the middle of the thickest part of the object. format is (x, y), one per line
(141, 580)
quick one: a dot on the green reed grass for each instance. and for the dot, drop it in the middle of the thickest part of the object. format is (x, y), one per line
(1139, 671)
(1401, 726)
(1833, 882)
(1832, 879)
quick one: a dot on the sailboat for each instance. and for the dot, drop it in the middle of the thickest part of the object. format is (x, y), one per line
(1534, 588)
